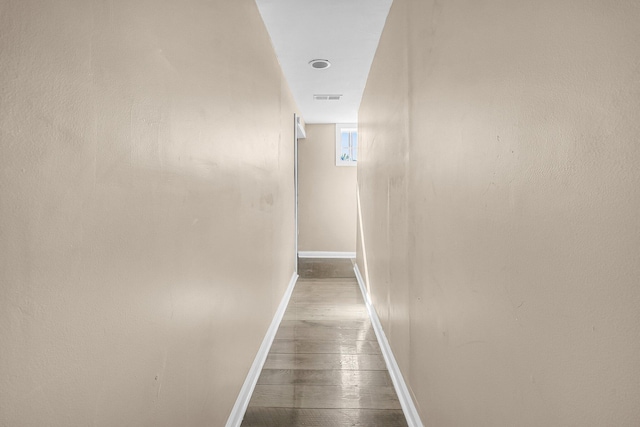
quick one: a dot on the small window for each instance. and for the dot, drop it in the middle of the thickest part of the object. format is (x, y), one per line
(346, 144)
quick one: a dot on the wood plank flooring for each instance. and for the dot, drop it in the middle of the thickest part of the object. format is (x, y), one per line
(325, 367)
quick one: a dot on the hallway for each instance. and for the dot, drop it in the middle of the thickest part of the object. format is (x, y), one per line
(325, 367)
(148, 150)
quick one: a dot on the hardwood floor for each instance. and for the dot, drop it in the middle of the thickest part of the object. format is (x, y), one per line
(325, 367)
(310, 268)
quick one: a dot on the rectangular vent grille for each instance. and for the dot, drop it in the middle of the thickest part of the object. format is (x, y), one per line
(327, 97)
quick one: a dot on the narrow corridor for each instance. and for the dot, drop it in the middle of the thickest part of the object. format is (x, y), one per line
(325, 367)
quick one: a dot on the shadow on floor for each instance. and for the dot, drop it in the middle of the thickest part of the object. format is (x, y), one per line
(323, 268)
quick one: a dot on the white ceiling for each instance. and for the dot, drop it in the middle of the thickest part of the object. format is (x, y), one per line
(346, 32)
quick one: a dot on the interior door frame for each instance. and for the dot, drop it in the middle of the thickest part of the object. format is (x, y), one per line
(295, 186)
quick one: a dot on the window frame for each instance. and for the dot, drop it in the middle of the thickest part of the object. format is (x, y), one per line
(341, 127)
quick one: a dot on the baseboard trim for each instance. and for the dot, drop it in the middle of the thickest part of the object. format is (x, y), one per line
(408, 407)
(240, 407)
(326, 254)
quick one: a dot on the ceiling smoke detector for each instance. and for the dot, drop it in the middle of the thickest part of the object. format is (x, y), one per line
(320, 64)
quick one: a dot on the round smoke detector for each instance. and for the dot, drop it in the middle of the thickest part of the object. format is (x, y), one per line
(320, 64)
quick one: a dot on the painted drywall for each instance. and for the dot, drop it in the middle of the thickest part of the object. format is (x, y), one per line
(326, 195)
(146, 208)
(499, 198)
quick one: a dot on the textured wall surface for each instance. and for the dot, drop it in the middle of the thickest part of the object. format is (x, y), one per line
(499, 195)
(146, 160)
(326, 195)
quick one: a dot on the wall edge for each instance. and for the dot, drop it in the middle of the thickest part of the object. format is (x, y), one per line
(240, 407)
(408, 407)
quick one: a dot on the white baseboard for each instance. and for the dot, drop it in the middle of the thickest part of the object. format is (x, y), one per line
(240, 407)
(326, 254)
(408, 407)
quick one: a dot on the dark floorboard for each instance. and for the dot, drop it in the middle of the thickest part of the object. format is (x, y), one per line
(325, 268)
(269, 417)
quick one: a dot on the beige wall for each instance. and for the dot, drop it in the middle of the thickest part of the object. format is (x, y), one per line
(146, 208)
(327, 194)
(500, 194)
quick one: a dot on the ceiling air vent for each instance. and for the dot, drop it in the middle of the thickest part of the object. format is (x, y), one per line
(327, 97)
